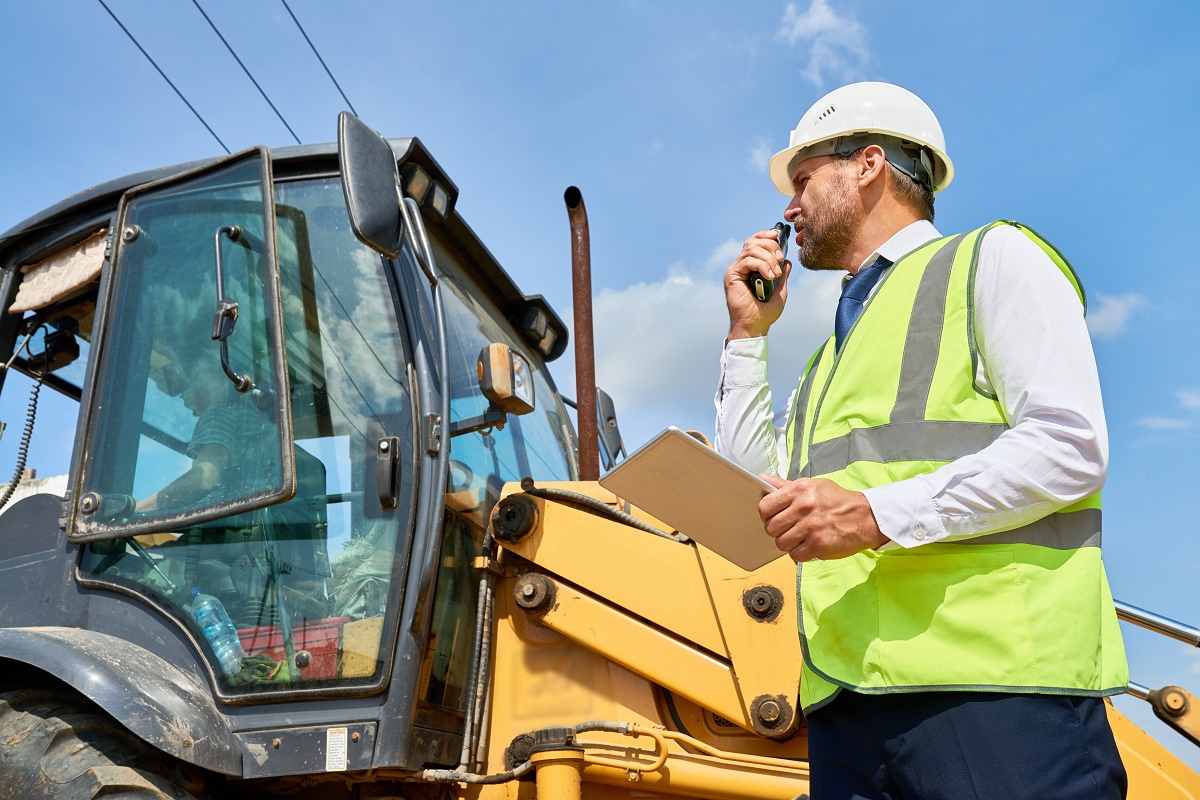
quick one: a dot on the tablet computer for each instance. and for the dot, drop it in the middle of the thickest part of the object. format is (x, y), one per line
(700, 493)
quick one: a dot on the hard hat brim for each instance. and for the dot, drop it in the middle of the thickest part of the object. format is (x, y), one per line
(782, 179)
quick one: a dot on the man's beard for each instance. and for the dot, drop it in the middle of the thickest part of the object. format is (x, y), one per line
(829, 228)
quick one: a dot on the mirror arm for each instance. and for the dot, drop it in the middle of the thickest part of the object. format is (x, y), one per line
(414, 226)
(492, 418)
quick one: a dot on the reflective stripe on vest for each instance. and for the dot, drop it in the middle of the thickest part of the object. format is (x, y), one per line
(904, 620)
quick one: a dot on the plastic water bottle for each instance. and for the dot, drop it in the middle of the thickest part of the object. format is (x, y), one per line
(218, 629)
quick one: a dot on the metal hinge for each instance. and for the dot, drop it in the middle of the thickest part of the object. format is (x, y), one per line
(64, 521)
(433, 433)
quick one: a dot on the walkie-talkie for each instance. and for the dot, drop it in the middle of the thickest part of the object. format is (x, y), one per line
(760, 286)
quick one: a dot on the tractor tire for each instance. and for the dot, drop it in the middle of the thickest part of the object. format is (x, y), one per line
(58, 746)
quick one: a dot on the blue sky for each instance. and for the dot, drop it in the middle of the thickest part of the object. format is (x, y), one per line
(1073, 118)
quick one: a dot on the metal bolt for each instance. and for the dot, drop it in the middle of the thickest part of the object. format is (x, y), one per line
(275, 743)
(303, 658)
(534, 593)
(383, 446)
(763, 602)
(89, 503)
(1174, 701)
(130, 233)
(354, 737)
(769, 712)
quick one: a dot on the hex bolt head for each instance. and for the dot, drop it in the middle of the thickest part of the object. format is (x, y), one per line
(772, 715)
(1174, 702)
(130, 233)
(769, 712)
(534, 593)
(763, 603)
(89, 503)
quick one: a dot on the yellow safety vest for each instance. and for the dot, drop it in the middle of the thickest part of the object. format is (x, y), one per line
(1024, 610)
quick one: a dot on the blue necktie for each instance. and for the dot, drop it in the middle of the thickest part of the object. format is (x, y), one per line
(854, 294)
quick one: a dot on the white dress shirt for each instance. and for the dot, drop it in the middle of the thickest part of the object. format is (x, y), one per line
(1034, 355)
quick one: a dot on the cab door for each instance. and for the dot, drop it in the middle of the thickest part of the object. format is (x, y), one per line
(185, 418)
(250, 362)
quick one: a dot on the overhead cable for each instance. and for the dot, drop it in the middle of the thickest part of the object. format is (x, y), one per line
(196, 3)
(318, 55)
(164, 76)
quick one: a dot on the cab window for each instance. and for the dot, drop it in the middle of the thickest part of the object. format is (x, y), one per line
(311, 583)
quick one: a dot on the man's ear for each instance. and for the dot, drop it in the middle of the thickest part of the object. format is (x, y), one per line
(871, 165)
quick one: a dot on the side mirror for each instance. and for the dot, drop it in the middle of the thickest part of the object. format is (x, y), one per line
(371, 183)
(505, 379)
(610, 434)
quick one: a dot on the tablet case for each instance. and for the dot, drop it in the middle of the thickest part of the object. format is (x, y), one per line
(700, 493)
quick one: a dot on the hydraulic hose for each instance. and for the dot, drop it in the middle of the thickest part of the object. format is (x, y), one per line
(592, 504)
(452, 776)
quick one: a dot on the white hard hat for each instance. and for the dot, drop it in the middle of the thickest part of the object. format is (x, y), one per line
(869, 113)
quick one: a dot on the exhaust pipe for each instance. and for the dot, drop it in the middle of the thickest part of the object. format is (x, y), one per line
(585, 353)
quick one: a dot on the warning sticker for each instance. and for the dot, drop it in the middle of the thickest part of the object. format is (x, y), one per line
(335, 750)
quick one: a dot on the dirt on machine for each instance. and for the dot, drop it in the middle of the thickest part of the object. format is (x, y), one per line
(331, 532)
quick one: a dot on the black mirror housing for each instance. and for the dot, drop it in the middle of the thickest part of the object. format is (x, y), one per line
(610, 434)
(371, 183)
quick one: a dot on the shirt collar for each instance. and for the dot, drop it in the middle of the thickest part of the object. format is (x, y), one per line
(904, 241)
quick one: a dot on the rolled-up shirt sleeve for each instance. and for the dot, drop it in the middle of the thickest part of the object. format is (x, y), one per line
(1036, 357)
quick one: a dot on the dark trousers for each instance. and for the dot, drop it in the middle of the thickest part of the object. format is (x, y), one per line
(963, 746)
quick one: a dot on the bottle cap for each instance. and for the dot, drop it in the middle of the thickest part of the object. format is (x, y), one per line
(195, 591)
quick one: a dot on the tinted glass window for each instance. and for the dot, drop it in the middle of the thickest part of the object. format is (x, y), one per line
(309, 583)
(172, 439)
(538, 445)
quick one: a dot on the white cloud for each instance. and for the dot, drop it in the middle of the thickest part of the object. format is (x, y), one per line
(722, 256)
(836, 45)
(760, 155)
(658, 344)
(1189, 398)
(1164, 423)
(1108, 315)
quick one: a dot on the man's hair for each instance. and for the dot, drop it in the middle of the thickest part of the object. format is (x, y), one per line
(916, 196)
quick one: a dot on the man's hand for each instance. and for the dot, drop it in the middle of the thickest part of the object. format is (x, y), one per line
(747, 316)
(814, 518)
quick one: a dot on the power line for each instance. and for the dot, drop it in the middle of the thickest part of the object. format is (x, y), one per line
(196, 3)
(318, 55)
(164, 76)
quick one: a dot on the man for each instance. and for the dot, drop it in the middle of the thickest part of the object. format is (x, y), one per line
(937, 479)
(231, 444)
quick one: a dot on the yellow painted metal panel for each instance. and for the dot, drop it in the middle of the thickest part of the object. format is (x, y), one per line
(647, 651)
(765, 655)
(1154, 773)
(652, 577)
